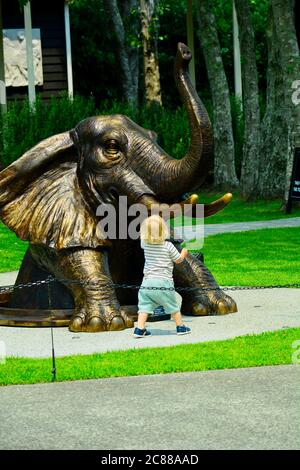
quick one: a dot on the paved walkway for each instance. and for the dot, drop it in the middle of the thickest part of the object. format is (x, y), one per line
(259, 311)
(213, 229)
(255, 408)
(8, 279)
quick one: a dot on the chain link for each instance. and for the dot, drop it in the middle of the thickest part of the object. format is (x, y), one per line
(135, 287)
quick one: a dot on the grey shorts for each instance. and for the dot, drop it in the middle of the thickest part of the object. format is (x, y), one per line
(150, 299)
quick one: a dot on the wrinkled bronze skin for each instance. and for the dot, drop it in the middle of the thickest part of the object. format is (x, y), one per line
(50, 195)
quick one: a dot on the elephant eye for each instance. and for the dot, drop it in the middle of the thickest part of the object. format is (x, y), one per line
(112, 146)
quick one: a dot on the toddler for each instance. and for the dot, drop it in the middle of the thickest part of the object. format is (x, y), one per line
(160, 256)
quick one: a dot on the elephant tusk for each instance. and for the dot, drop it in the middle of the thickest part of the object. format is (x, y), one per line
(193, 199)
(209, 209)
(217, 206)
(178, 208)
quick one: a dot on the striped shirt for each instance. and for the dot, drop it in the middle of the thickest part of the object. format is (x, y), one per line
(159, 260)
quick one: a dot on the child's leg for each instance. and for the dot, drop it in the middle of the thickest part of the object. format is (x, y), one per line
(181, 329)
(142, 318)
(177, 318)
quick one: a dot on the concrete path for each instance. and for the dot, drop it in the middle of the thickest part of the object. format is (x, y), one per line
(8, 279)
(259, 311)
(255, 408)
(213, 229)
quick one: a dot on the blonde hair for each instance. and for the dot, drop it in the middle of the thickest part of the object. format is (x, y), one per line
(154, 230)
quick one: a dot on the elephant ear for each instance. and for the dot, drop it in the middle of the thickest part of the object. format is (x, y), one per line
(41, 201)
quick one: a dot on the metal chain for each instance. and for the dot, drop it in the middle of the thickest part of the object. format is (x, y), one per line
(135, 287)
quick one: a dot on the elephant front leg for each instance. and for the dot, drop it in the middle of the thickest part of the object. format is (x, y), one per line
(96, 305)
(193, 273)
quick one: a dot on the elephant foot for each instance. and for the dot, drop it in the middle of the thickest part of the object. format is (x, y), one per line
(117, 319)
(221, 303)
(215, 303)
(105, 319)
(95, 324)
(82, 321)
(77, 322)
(129, 323)
(199, 310)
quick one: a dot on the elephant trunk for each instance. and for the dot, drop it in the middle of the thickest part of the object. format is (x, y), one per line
(124, 181)
(193, 168)
(179, 176)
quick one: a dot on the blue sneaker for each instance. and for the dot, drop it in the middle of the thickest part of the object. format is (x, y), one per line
(138, 333)
(183, 330)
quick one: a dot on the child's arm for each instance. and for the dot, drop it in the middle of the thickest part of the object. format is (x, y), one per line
(176, 257)
(183, 255)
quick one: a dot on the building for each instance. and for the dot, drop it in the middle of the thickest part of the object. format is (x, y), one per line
(43, 63)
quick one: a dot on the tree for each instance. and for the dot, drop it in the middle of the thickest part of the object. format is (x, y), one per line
(127, 55)
(282, 117)
(251, 147)
(93, 45)
(149, 33)
(224, 164)
(3, 107)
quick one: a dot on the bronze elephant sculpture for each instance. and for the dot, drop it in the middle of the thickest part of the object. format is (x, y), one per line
(50, 195)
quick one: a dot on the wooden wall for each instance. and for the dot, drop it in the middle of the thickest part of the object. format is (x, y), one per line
(48, 16)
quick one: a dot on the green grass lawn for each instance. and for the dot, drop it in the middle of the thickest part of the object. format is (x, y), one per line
(261, 257)
(240, 211)
(266, 349)
(12, 250)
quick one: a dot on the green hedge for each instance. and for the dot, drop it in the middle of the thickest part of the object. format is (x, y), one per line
(23, 127)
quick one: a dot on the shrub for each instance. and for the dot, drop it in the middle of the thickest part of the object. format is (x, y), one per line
(23, 126)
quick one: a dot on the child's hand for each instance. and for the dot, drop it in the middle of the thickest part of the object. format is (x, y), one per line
(183, 255)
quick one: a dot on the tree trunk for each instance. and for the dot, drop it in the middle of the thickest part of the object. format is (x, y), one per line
(149, 40)
(251, 147)
(3, 105)
(279, 129)
(224, 164)
(126, 56)
(132, 28)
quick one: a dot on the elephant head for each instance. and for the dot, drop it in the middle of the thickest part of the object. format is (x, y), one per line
(50, 194)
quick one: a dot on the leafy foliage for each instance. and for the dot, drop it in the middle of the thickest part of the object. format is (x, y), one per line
(22, 127)
(97, 76)
(94, 46)
(95, 67)
(22, 3)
